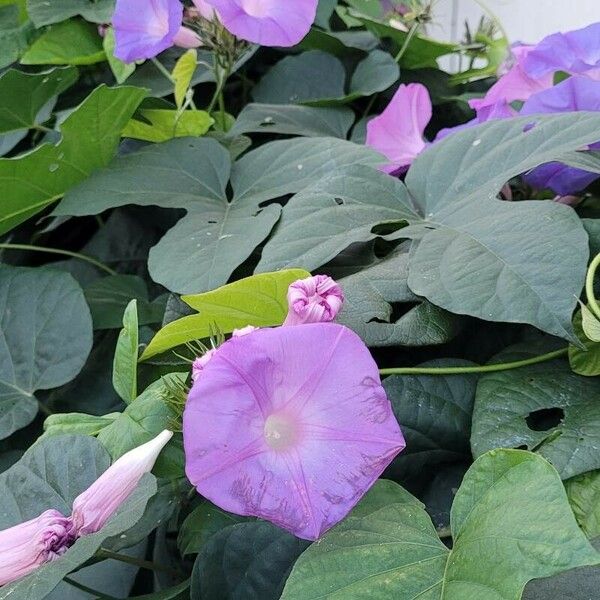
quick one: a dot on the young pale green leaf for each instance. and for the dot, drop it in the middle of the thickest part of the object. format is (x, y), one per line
(42, 12)
(120, 69)
(586, 360)
(77, 424)
(47, 336)
(584, 495)
(160, 125)
(126, 356)
(72, 42)
(182, 75)
(34, 180)
(511, 523)
(259, 300)
(25, 94)
(544, 407)
(263, 555)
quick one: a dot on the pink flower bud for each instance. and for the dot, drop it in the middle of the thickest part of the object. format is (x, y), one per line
(94, 507)
(204, 9)
(186, 38)
(24, 547)
(200, 362)
(315, 299)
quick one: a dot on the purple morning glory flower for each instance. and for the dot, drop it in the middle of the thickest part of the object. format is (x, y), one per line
(290, 424)
(573, 52)
(316, 299)
(398, 131)
(26, 546)
(267, 22)
(144, 30)
(515, 84)
(572, 94)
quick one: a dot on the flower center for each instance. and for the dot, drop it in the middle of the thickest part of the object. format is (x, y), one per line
(280, 431)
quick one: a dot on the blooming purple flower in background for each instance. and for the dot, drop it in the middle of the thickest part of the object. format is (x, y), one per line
(398, 131)
(25, 547)
(267, 22)
(515, 84)
(573, 94)
(573, 52)
(290, 424)
(313, 300)
(143, 30)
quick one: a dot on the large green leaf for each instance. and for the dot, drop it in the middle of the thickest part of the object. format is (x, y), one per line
(43, 12)
(586, 360)
(34, 180)
(72, 42)
(25, 94)
(369, 295)
(259, 300)
(218, 234)
(126, 356)
(50, 475)
(511, 523)
(14, 35)
(293, 120)
(584, 495)
(434, 412)
(45, 338)
(545, 407)
(248, 561)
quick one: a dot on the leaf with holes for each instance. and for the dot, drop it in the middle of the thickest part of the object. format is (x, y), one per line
(510, 521)
(544, 407)
(46, 336)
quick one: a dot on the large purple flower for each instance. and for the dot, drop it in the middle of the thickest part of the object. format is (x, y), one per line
(398, 131)
(144, 29)
(267, 22)
(573, 52)
(290, 424)
(572, 94)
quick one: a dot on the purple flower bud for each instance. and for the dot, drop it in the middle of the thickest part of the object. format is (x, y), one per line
(24, 547)
(315, 299)
(94, 507)
(143, 30)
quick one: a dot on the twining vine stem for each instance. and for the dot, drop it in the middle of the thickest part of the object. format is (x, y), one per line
(589, 286)
(477, 369)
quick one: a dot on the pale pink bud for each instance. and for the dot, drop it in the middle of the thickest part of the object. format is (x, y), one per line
(186, 38)
(244, 331)
(94, 507)
(315, 299)
(569, 200)
(205, 9)
(200, 362)
(24, 547)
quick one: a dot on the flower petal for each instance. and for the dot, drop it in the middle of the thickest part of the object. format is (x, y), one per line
(145, 31)
(267, 22)
(24, 547)
(94, 507)
(398, 131)
(290, 424)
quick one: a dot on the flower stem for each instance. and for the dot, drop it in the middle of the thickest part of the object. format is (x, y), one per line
(589, 286)
(138, 562)
(478, 369)
(162, 69)
(84, 257)
(88, 590)
(408, 39)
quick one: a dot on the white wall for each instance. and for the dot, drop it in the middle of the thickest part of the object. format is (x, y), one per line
(524, 20)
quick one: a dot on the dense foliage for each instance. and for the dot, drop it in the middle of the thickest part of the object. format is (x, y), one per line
(162, 188)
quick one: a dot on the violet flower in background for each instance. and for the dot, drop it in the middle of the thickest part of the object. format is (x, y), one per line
(26, 546)
(290, 424)
(573, 52)
(576, 93)
(267, 22)
(143, 30)
(316, 299)
(398, 131)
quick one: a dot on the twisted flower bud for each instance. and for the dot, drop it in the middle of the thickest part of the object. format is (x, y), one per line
(316, 299)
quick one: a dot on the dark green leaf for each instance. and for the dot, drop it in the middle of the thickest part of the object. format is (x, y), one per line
(43, 12)
(14, 35)
(126, 356)
(46, 337)
(584, 495)
(585, 361)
